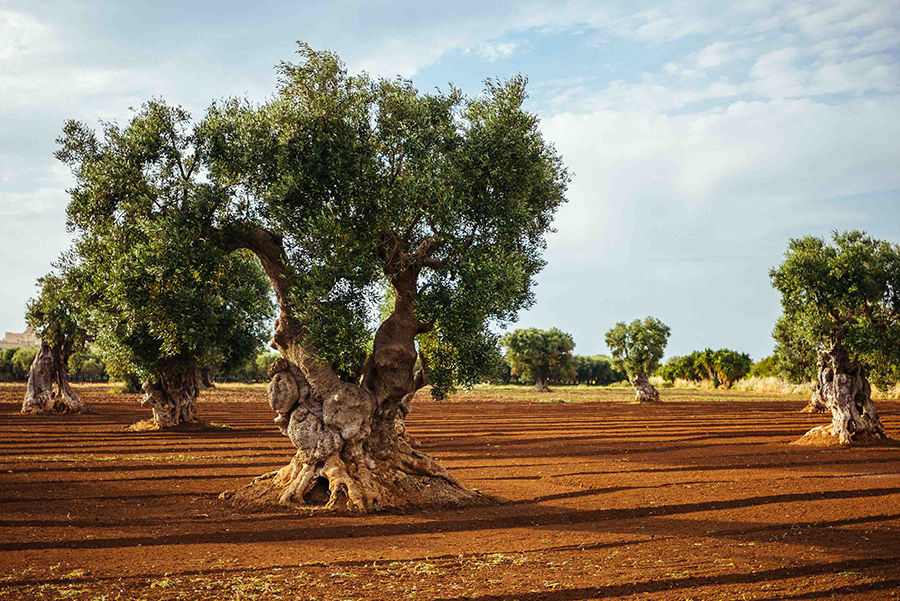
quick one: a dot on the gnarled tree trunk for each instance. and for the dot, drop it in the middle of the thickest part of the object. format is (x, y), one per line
(644, 391)
(816, 402)
(540, 384)
(48, 388)
(352, 452)
(206, 378)
(173, 398)
(847, 394)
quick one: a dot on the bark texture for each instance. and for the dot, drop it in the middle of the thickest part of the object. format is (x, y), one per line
(48, 388)
(206, 378)
(352, 450)
(173, 398)
(848, 395)
(644, 391)
(816, 400)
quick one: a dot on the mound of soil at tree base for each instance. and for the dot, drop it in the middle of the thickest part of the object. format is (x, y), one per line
(694, 500)
(261, 496)
(823, 436)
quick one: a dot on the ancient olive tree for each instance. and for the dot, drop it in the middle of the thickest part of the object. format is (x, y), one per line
(54, 317)
(161, 302)
(540, 355)
(843, 299)
(343, 185)
(637, 348)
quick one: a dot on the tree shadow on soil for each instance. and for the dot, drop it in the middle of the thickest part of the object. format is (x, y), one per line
(692, 582)
(499, 520)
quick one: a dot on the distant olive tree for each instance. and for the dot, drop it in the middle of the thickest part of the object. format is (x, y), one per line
(842, 298)
(637, 348)
(56, 320)
(161, 302)
(539, 355)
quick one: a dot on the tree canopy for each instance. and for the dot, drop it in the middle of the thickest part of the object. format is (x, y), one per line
(362, 181)
(158, 297)
(53, 315)
(637, 347)
(723, 366)
(844, 293)
(540, 355)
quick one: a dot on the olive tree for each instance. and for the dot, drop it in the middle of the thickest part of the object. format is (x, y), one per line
(637, 348)
(54, 317)
(842, 298)
(343, 185)
(160, 301)
(539, 355)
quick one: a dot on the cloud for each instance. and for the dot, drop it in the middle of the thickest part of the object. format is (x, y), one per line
(495, 51)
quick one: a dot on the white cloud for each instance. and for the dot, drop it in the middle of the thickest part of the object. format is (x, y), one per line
(495, 51)
(22, 35)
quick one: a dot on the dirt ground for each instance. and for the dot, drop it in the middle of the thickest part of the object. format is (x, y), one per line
(698, 498)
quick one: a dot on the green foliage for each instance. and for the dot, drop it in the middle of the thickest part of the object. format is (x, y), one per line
(21, 361)
(767, 367)
(15, 362)
(350, 170)
(723, 366)
(540, 355)
(596, 370)
(730, 366)
(53, 314)
(346, 172)
(253, 369)
(637, 347)
(678, 367)
(87, 365)
(157, 295)
(842, 294)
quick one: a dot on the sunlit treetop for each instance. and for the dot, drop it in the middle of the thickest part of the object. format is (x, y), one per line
(156, 295)
(842, 293)
(637, 347)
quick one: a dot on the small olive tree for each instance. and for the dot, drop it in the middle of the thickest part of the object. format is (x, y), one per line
(161, 302)
(637, 348)
(539, 355)
(843, 299)
(55, 319)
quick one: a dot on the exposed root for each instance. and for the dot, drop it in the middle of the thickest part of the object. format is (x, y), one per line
(343, 485)
(814, 408)
(47, 403)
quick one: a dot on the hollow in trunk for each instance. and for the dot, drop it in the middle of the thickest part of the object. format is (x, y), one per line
(48, 388)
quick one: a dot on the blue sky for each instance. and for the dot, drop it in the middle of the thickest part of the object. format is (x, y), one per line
(701, 135)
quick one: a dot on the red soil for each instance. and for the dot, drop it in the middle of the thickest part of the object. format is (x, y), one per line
(684, 500)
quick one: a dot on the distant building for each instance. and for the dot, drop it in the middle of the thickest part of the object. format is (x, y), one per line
(26, 338)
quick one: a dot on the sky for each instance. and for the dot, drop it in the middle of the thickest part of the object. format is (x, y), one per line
(701, 136)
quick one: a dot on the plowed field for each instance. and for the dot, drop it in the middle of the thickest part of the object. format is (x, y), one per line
(698, 498)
